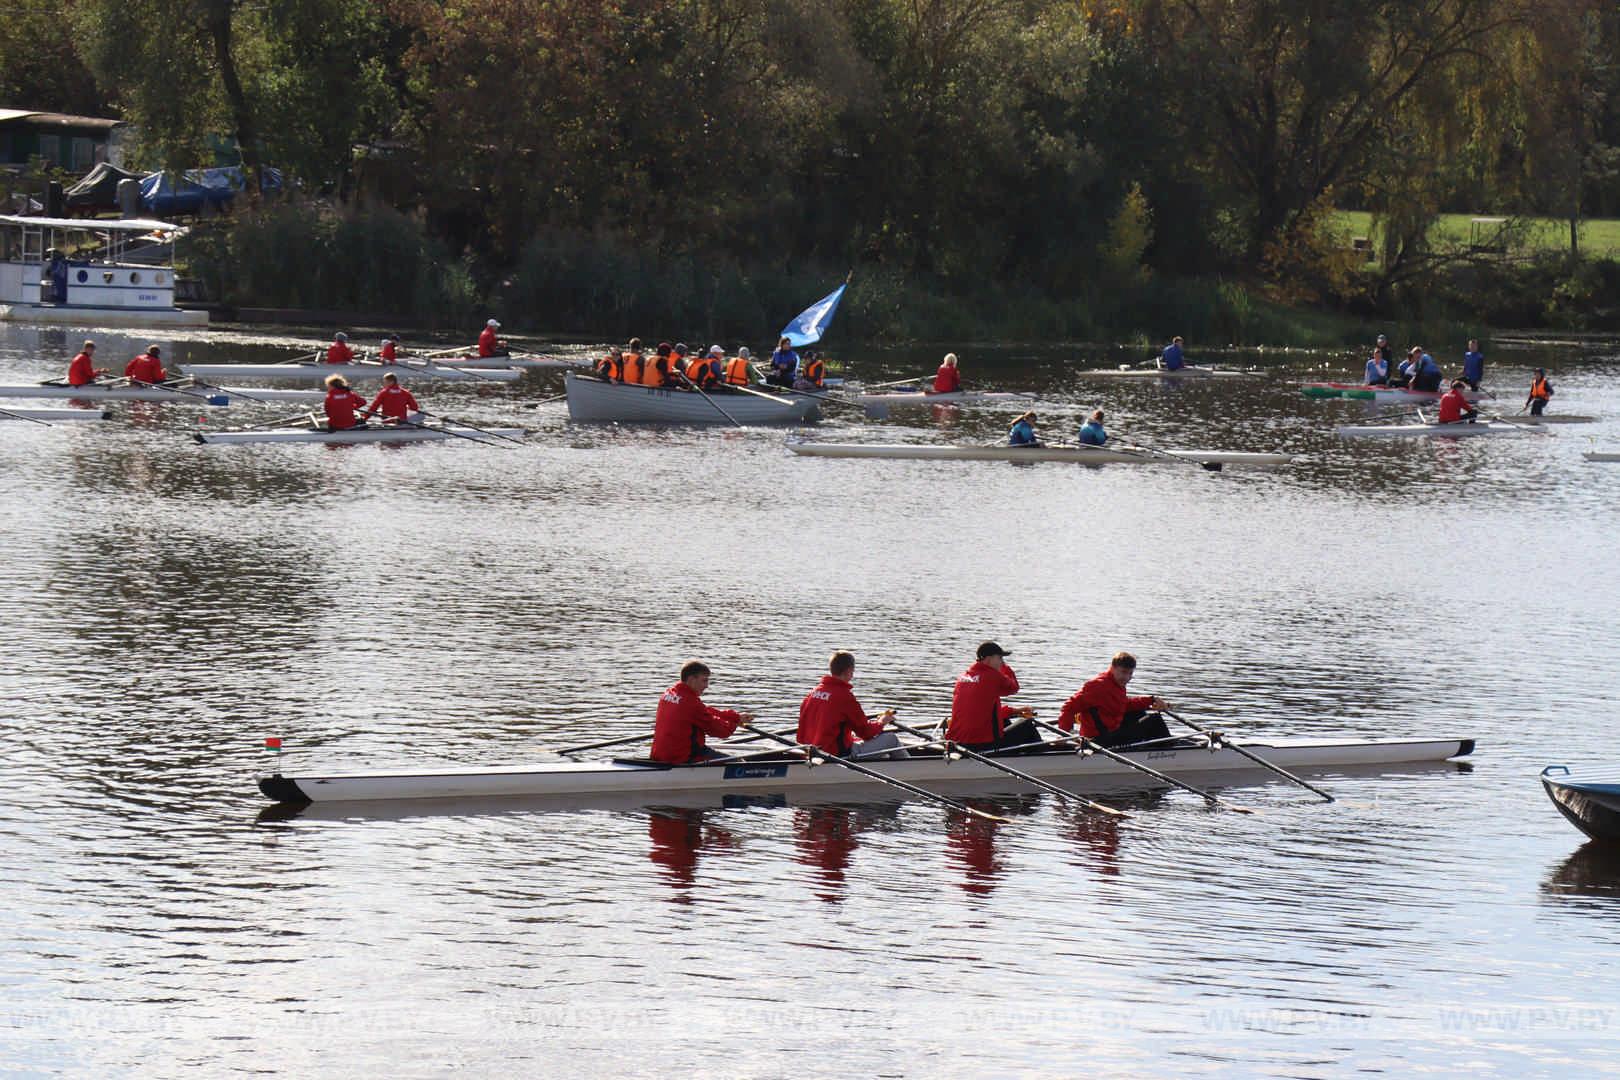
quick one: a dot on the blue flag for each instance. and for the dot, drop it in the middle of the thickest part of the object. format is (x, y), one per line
(813, 321)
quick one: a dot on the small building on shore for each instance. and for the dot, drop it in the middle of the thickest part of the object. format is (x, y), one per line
(75, 144)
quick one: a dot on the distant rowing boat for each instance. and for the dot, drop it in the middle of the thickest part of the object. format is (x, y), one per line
(352, 372)
(1079, 455)
(1188, 372)
(582, 778)
(900, 399)
(55, 416)
(401, 434)
(1601, 455)
(1450, 431)
(1361, 392)
(519, 362)
(194, 394)
(595, 400)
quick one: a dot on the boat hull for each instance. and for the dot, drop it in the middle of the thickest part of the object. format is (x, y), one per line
(357, 437)
(919, 399)
(1361, 392)
(1601, 455)
(1447, 431)
(56, 416)
(590, 400)
(1591, 806)
(1189, 372)
(1078, 455)
(596, 778)
(201, 395)
(352, 372)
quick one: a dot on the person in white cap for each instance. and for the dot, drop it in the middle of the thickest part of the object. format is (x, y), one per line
(339, 352)
(489, 344)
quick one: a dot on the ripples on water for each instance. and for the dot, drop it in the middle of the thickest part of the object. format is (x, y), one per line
(168, 606)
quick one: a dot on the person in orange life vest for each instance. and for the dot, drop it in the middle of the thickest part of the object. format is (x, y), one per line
(339, 352)
(738, 372)
(830, 718)
(1541, 392)
(1108, 715)
(652, 374)
(611, 366)
(683, 720)
(716, 359)
(389, 352)
(489, 344)
(394, 402)
(677, 363)
(699, 372)
(635, 363)
(342, 404)
(146, 368)
(978, 718)
(947, 380)
(812, 371)
(1454, 407)
(82, 371)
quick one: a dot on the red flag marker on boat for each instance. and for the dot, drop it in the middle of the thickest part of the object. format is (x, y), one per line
(273, 744)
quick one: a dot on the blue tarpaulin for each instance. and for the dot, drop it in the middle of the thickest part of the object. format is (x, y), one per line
(165, 194)
(813, 321)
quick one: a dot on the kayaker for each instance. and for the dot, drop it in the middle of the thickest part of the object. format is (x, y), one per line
(339, 352)
(1023, 431)
(683, 720)
(1473, 365)
(82, 370)
(489, 342)
(831, 720)
(1426, 373)
(394, 402)
(1454, 406)
(978, 718)
(1541, 392)
(784, 364)
(1091, 432)
(1171, 359)
(947, 380)
(146, 368)
(1108, 715)
(342, 405)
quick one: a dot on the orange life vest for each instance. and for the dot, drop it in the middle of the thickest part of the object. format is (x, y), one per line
(610, 368)
(1540, 389)
(653, 372)
(737, 373)
(814, 370)
(697, 370)
(633, 365)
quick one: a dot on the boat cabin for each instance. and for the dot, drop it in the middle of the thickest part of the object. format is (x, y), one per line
(85, 271)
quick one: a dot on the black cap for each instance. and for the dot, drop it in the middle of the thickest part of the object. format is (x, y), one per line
(990, 648)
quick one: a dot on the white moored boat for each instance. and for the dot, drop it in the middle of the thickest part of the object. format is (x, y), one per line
(404, 433)
(918, 398)
(193, 393)
(1601, 455)
(1188, 372)
(581, 778)
(351, 372)
(55, 416)
(1449, 431)
(595, 400)
(1079, 455)
(128, 281)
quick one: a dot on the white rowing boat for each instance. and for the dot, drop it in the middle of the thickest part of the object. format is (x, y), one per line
(594, 400)
(1078, 455)
(580, 778)
(1601, 455)
(1188, 372)
(1449, 431)
(1553, 418)
(352, 372)
(403, 433)
(917, 398)
(1361, 392)
(193, 393)
(55, 416)
(517, 361)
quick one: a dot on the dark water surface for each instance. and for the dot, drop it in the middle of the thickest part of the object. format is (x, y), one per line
(166, 606)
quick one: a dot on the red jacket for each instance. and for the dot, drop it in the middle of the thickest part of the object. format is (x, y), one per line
(339, 353)
(977, 714)
(389, 353)
(341, 405)
(1452, 406)
(947, 380)
(831, 718)
(682, 722)
(395, 403)
(145, 368)
(488, 342)
(82, 370)
(1102, 700)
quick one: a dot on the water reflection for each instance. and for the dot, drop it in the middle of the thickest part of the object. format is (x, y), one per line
(679, 836)
(970, 840)
(1593, 871)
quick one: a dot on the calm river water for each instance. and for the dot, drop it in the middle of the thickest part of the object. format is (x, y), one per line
(167, 606)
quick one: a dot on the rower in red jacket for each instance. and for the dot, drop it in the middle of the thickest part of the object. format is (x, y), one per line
(489, 343)
(394, 402)
(1454, 406)
(339, 352)
(389, 353)
(683, 720)
(147, 367)
(829, 716)
(83, 371)
(1110, 716)
(947, 380)
(978, 718)
(342, 404)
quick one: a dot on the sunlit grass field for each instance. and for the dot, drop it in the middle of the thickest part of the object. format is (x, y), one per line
(1598, 236)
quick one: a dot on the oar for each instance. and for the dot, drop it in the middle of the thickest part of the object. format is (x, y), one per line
(470, 427)
(1088, 744)
(1207, 466)
(1035, 781)
(544, 401)
(817, 757)
(707, 398)
(648, 737)
(284, 421)
(1256, 758)
(831, 399)
(779, 399)
(446, 429)
(894, 382)
(203, 394)
(429, 367)
(1528, 426)
(199, 395)
(20, 416)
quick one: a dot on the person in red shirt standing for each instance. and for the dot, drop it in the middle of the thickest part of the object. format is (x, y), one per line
(489, 344)
(1454, 406)
(1108, 715)
(978, 718)
(947, 380)
(82, 371)
(339, 352)
(394, 402)
(147, 367)
(342, 404)
(683, 720)
(830, 718)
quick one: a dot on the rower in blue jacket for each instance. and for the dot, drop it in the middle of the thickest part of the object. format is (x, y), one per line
(1091, 432)
(1473, 365)
(1023, 431)
(1425, 372)
(1171, 359)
